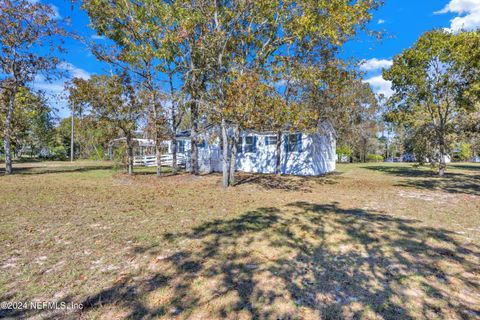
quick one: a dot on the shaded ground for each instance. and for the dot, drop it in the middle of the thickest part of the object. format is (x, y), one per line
(466, 181)
(369, 242)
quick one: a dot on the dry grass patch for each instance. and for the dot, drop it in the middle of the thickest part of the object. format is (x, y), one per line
(372, 242)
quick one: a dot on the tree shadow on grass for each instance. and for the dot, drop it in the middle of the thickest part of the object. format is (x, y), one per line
(287, 183)
(467, 184)
(40, 170)
(152, 170)
(465, 166)
(429, 180)
(408, 171)
(306, 261)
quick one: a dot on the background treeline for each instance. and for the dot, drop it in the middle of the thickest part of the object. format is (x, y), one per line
(435, 107)
(39, 134)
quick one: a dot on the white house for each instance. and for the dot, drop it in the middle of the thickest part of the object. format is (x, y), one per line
(302, 154)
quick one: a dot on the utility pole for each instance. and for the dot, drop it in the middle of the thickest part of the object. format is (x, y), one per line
(71, 135)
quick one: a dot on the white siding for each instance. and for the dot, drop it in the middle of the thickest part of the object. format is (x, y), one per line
(317, 155)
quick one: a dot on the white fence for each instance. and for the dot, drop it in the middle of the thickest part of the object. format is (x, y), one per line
(151, 161)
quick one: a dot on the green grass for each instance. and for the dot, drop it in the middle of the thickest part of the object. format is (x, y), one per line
(372, 241)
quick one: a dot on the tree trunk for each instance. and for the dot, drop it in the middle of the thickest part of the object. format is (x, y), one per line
(278, 155)
(72, 149)
(441, 162)
(174, 139)
(158, 136)
(130, 155)
(233, 156)
(174, 153)
(174, 124)
(225, 162)
(193, 139)
(8, 131)
(158, 153)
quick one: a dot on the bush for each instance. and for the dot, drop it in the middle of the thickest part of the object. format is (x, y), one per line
(344, 150)
(120, 157)
(98, 154)
(374, 158)
(465, 152)
(58, 153)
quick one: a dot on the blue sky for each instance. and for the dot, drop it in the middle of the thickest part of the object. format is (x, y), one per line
(403, 21)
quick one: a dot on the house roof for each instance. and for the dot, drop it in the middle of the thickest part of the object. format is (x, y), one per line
(140, 142)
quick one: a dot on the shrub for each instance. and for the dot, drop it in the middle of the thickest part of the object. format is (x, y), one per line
(58, 153)
(98, 154)
(344, 150)
(120, 157)
(465, 152)
(374, 158)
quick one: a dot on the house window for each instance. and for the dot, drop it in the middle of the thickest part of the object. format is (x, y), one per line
(202, 144)
(240, 145)
(250, 144)
(181, 146)
(270, 140)
(294, 142)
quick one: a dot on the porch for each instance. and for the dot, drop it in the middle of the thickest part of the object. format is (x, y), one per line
(144, 152)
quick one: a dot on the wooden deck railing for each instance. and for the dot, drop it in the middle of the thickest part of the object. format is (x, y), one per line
(151, 161)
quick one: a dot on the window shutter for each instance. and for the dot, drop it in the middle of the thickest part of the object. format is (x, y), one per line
(254, 146)
(299, 143)
(285, 142)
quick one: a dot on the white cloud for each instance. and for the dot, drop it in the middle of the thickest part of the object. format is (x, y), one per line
(57, 86)
(73, 71)
(97, 37)
(49, 87)
(380, 85)
(56, 11)
(468, 14)
(381, 21)
(375, 64)
(55, 89)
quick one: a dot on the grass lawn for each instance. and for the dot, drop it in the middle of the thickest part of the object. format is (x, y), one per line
(371, 241)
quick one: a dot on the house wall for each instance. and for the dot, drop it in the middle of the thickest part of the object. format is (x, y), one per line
(317, 155)
(208, 157)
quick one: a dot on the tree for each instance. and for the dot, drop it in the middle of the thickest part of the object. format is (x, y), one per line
(435, 83)
(344, 150)
(113, 99)
(358, 122)
(281, 38)
(139, 34)
(27, 48)
(247, 100)
(333, 92)
(469, 128)
(40, 127)
(91, 136)
(32, 122)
